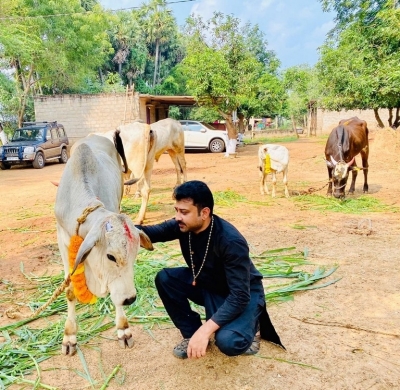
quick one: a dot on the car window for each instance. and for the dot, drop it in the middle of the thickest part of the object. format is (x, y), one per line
(39, 134)
(194, 126)
(61, 132)
(208, 126)
(54, 134)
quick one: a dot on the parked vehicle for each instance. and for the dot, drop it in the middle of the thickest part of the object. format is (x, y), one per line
(35, 144)
(201, 135)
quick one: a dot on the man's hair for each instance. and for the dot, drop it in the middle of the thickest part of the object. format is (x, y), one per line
(198, 192)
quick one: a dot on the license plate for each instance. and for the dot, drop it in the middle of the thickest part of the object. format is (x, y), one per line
(12, 158)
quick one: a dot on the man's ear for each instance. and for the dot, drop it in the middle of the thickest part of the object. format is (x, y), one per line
(205, 213)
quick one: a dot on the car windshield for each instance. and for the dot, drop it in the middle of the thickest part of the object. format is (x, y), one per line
(208, 126)
(28, 135)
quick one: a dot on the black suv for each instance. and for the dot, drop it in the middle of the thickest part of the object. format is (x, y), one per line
(35, 144)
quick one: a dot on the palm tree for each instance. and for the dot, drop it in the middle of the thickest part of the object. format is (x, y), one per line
(158, 25)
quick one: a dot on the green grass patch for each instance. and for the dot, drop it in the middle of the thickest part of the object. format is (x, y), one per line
(271, 140)
(132, 206)
(23, 347)
(363, 204)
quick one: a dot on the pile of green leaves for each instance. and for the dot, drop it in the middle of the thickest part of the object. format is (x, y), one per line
(363, 204)
(24, 347)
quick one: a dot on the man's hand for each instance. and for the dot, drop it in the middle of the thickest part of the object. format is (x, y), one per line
(199, 341)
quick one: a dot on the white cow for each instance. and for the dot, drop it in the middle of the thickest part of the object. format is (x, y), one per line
(170, 138)
(91, 189)
(277, 162)
(140, 149)
(144, 145)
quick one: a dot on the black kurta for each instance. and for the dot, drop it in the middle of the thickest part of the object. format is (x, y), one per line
(227, 271)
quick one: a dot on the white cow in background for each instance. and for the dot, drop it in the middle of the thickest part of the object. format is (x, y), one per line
(143, 145)
(273, 159)
(170, 138)
(91, 189)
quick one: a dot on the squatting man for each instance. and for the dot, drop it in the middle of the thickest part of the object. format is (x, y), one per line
(219, 276)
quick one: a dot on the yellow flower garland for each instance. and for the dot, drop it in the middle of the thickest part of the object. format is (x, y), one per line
(267, 165)
(78, 279)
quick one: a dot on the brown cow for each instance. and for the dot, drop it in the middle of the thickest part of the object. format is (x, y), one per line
(345, 142)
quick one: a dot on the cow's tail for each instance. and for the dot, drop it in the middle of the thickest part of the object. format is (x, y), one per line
(120, 149)
(149, 144)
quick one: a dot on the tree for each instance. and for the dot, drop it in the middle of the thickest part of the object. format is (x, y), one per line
(53, 47)
(158, 25)
(221, 69)
(301, 84)
(348, 12)
(360, 69)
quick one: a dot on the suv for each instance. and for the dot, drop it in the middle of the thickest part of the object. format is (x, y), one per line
(200, 135)
(35, 144)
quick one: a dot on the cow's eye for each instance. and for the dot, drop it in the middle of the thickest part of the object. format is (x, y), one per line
(112, 258)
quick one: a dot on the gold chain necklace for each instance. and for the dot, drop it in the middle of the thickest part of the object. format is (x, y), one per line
(205, 254)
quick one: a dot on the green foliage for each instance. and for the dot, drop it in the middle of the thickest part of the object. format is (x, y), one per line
(358, 68)
(301, 83)
(225, 63)
(53, 47)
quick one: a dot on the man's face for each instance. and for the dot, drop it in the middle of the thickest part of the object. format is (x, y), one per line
(188, 216)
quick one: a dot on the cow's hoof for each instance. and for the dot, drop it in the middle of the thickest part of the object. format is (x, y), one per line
(126, 342)
(68, 349)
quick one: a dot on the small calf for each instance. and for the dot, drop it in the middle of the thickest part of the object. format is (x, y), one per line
(273, 159)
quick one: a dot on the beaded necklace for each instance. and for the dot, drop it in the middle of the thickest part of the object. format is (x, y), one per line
(205, 254)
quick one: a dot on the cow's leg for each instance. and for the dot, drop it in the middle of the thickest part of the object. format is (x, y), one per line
(182, 164)
(263, 183)
(124, 333)
(178, 167)
(329, 192)
(364, 158)
(354, 174)
(285, 182)
(145, 192)
(70, 328)
(273, 183)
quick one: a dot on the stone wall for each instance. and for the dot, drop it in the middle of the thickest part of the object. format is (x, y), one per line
(327, 120)
(84, 114)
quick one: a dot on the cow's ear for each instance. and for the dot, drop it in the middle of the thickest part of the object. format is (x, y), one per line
(329, 164)
(145, 241)
(87, 245)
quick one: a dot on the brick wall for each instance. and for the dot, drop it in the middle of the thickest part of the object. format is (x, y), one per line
(327, 120)
(84, 114)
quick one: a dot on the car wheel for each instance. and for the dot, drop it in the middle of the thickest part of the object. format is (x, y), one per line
(217, 146)
(39, 161)
(64, 156)
(4, 166)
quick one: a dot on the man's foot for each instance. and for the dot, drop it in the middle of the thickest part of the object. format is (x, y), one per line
(255, 346)
(180, 350)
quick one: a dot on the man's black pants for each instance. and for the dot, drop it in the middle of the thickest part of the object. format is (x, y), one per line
(175, 288)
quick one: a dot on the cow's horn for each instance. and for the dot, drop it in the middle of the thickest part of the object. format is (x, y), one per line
(351, 162)
(333, 161)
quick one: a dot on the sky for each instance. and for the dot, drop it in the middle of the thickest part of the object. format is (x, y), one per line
(294, 29)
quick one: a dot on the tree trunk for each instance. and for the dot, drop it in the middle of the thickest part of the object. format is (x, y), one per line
(390, 119)
(156, 63)
(230, 127)
(101, 76)
(378, 119)
(396, 122)
(294, 126)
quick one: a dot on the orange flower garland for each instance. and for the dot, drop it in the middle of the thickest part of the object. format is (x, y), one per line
(78, 279)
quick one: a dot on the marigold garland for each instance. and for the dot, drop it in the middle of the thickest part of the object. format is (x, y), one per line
(78, 279)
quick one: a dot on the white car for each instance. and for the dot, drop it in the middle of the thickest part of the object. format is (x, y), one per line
(201, 135)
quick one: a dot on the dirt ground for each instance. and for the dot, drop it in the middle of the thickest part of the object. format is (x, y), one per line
(348, 332)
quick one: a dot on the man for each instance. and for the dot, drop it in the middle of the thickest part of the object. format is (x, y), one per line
(3, 136)
(220, 276)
